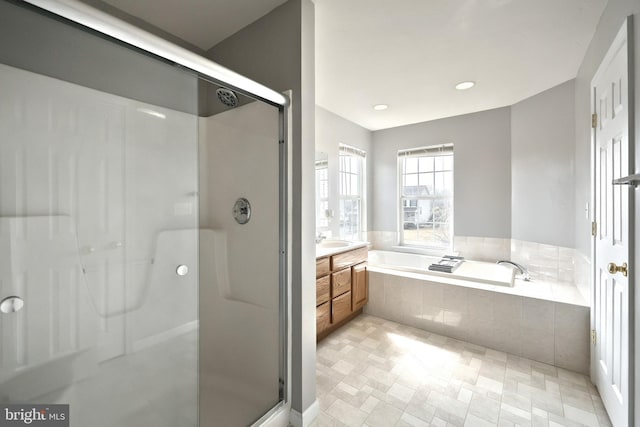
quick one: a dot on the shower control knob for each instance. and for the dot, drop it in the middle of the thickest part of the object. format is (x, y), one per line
(242, 211)
(11, 304)
(116, 245)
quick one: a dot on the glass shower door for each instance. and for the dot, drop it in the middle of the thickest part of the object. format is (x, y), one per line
(142, 234)
(99, 230)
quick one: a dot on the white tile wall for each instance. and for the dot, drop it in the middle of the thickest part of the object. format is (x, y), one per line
(482, 248)
(545, 331)
(582, 275)
(546, 263)
(383, 240)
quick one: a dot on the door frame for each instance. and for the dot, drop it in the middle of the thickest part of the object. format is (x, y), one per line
(626, 29)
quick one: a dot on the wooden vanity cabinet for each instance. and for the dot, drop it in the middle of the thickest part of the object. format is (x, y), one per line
(340, 308)
(341, 289)
(359, 286)
(340, 282)
(323, 317)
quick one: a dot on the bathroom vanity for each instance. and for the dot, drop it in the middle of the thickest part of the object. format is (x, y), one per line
(342, 287)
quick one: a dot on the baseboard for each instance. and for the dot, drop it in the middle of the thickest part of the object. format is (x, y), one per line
(304, 420)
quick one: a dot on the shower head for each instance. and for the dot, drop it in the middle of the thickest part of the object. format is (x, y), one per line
(227, 97)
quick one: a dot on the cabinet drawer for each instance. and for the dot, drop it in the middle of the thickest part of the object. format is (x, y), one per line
(322, 289)
(340, 282)
(323, 317)
(346, 259)
(340, 307)
(322, 267)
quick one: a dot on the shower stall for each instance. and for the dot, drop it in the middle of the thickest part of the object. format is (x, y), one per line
(143, 244)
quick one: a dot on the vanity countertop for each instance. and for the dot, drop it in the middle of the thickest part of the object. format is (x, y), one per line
(340, 246)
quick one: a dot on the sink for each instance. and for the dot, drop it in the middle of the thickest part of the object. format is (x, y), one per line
(334, 244)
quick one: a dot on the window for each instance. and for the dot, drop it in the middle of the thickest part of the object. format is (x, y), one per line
(352, 162)
(426, 196)
(322, 194)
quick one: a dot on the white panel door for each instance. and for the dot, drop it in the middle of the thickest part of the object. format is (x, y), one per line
(611, 302)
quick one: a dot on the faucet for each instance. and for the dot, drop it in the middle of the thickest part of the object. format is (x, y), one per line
(320, 237)
(523, 270)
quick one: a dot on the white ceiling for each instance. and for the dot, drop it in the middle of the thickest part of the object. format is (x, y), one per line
(409, 54)
(202, 23)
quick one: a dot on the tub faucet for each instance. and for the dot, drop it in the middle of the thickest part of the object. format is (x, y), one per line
(523, 270)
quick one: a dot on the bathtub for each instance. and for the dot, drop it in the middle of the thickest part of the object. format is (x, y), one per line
(475, 271)
(543, 321)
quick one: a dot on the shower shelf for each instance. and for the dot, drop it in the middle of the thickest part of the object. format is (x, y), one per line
(628, 180)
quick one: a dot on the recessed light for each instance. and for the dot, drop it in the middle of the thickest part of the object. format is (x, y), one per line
(465, 85)
(380, 107)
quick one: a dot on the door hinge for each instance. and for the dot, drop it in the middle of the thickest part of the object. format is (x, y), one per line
(594, 228)
(594, 337)
(594, 120)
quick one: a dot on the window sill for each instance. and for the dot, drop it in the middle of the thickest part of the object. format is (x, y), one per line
(438, 252)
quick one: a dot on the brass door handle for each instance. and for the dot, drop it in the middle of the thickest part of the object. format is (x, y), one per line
(613, 268)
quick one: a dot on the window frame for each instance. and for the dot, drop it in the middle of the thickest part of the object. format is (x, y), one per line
(360, 197)
(428, 151)
(321, 215)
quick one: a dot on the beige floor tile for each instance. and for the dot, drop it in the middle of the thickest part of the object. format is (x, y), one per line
(346, 413)
(473, 421)
(384, 415)
(374, 372)
(401, 392)
(410, 420)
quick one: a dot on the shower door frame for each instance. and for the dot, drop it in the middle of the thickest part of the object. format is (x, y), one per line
(98, 21)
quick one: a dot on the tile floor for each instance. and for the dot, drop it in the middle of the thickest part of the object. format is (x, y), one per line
(374, 372)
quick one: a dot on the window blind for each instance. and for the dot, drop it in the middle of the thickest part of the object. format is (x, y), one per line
(434, 150)
(352, 150)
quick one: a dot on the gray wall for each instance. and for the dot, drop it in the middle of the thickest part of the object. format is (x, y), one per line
(610, 22)
(277, 51)
(37, 43)
(542, 167)
(134, 20)
(482, 178)
(331, 130)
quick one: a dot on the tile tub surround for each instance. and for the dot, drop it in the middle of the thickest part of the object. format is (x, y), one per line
(552, 330)
(375, 372)
(486, 249)
(545, 262)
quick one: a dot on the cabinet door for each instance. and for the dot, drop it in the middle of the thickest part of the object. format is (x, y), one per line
(340, 307)
(359, 285)
(323, 317)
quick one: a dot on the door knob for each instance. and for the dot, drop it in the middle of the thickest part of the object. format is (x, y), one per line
(613, 268)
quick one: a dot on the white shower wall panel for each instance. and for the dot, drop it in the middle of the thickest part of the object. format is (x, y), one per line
(239, 264)
(239, 152)
(122, 176)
